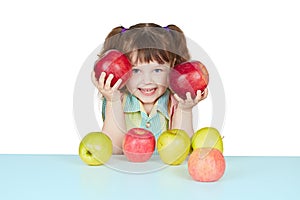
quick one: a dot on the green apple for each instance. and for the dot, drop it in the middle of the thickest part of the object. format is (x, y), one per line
(173, 146)
(95, 148)
(207, 137)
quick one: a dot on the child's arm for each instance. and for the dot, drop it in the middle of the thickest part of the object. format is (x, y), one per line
(114, 123)
(183, 116)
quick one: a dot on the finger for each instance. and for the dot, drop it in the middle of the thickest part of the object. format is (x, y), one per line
(199, 96)
(205, 93)
(108, 81)
(180, 100)
(117, 84)
(102, 79)
(188, 96)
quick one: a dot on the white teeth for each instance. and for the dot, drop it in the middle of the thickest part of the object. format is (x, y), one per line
(147, 90)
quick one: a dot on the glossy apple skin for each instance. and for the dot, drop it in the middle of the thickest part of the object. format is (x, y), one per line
(208, 137)
(173, 146)
(116, 63)
(206, 164)
(138, 145)
(188, 77)
(95, 148)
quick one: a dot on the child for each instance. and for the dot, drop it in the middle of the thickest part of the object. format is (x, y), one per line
(146, 101)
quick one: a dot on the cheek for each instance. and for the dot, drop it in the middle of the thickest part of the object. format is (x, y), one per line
(131, 84)
(167, 81)
(162, 80)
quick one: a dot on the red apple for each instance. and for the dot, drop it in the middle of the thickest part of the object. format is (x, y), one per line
(138, 145)
(116, 63)
(188, 77)
(206, 164)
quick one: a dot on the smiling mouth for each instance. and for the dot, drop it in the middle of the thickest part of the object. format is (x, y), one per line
(147, 91)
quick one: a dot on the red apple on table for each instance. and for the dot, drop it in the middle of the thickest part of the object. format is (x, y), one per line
(206, 164)
(138, 145)
(188, 77)
(116, 63)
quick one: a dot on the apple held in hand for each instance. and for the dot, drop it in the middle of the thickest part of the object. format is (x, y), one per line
(206, 164)
(116, 63)
(207, 137)
(173, 146)
(188, 77)
(95, 148)
(138, 145)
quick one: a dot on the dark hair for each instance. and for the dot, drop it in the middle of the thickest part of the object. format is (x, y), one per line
(146, 42)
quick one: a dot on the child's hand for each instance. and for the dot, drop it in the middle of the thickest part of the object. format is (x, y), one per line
(189, 103)
(110, 93)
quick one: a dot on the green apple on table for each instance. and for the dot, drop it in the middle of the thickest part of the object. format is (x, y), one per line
(207, 137)
(173, 146)
(95, 148)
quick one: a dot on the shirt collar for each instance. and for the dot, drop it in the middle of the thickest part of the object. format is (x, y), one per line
(132, 104)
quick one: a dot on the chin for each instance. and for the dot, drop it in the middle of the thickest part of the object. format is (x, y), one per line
(150, 98)
(147, 99)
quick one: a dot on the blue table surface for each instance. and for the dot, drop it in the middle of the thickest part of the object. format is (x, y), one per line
(67, 177)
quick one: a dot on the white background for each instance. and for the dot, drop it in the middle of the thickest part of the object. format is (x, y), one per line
(255, 46)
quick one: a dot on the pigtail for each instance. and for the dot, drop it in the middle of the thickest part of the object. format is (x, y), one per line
(179, 41)
(112, 39)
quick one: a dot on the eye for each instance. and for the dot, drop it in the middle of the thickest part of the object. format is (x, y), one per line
(135, 71)
(158, 70)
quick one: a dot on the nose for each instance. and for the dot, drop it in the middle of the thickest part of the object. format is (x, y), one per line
(147, 78)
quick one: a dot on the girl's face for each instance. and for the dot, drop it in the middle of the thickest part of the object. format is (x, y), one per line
(149, 81)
